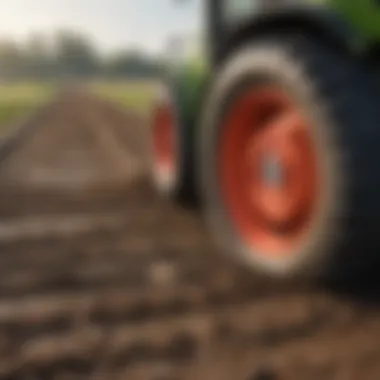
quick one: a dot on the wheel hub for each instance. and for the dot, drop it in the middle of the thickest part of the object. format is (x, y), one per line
(269, 174)
(276, 186)
(272, 171)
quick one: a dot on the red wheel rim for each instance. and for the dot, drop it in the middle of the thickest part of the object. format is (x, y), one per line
(268, 171)
(164, 140)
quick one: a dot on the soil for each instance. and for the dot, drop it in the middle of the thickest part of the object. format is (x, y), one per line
(101, 279)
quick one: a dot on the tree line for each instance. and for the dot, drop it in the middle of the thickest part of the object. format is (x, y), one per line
(68, 54)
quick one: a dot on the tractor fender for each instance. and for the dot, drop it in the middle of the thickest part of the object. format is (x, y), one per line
(325, 24)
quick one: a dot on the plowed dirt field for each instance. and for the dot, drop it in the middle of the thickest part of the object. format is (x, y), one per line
(100, 279)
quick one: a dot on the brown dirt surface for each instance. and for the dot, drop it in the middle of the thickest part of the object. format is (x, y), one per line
(102, 280)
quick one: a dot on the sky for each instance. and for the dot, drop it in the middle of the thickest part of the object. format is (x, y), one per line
(112, 24)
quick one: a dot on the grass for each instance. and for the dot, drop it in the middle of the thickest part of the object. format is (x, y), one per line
(17, 100)
(136, 95)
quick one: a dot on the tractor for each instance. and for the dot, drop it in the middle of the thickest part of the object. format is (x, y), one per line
(273, 133)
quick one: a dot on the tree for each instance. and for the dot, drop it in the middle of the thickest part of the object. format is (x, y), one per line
(75, 54)
(38, 57)
(69, 54)
(131, 63)
(12, 62)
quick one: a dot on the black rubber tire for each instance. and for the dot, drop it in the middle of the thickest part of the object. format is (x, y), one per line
(341, 99)
(182, 189)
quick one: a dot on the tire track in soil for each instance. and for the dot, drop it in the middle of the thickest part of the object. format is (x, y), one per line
(142, 293)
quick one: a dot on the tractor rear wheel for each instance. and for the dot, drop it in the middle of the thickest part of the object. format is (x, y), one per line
(289, 155)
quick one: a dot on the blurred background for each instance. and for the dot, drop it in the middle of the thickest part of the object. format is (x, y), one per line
(109, 46)
(101, 279)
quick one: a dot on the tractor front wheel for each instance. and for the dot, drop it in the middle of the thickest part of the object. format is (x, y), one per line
(164, 148)
(171, 149)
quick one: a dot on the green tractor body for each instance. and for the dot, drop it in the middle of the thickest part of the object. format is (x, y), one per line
(357, 27)
(315, 52)
(363, 16)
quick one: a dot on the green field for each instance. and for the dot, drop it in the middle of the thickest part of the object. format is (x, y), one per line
(17, 100)
(136, 95)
